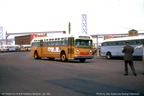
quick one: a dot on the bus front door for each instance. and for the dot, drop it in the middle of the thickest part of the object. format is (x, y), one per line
(41, 48)
(71, 48)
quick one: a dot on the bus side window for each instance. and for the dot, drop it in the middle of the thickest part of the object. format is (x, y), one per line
(138, 42)
(34, 43)
(62, 43)
(112, 43)
(104, 44)
(38, 43)
(117, 43)
(123, 43)
(109, 43)
(52, 43)
(49, 43)
(132, 42)
(56, 43)
(142, 42)
(45, 43)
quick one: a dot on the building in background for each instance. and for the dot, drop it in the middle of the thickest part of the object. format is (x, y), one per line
(26, 39)
(133, 33)
(22, 40)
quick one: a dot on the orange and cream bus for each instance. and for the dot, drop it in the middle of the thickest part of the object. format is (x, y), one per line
(75, 47)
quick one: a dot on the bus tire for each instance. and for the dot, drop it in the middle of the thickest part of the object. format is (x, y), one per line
(36, 56)
(108, 55)
(82, 60)
(63, 57)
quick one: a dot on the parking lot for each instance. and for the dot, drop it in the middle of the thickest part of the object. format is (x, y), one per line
(22, 75)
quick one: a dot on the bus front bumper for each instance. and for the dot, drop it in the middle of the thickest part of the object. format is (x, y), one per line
(83, 56)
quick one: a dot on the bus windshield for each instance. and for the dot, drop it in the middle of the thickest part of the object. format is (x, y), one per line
(83, 43)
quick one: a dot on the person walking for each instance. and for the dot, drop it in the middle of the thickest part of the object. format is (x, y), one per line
(143, 56)
(128, 58)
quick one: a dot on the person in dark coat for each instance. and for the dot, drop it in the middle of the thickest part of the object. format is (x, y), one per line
(128, 58)
(142, 47)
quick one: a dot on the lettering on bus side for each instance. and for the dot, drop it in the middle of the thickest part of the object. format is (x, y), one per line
(54, 49)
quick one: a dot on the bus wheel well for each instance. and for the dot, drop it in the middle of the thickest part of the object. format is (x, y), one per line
(36, 55)
(35, 51)
(62, 52)
(108, 55)
(63, 56)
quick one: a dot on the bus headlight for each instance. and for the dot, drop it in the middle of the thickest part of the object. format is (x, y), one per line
(77, 50)
(90, 51)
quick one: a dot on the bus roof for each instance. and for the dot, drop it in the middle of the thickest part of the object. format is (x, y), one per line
(124, 39)
(77, 36)
(25, 45)
(9, 45)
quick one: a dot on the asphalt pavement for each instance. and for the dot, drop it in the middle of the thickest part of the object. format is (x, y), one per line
(22, 75)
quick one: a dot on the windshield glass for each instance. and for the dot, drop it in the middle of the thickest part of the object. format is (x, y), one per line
(83, 43)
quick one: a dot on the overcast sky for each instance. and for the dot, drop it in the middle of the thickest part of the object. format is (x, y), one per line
(103, 16)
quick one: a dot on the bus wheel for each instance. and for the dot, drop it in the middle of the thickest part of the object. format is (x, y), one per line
(63, 57)
(82, 60)
(36, 56)
(108, 55)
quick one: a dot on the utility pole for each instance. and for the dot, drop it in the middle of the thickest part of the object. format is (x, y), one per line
(1, 32)
(69, 27)
(6, 37)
